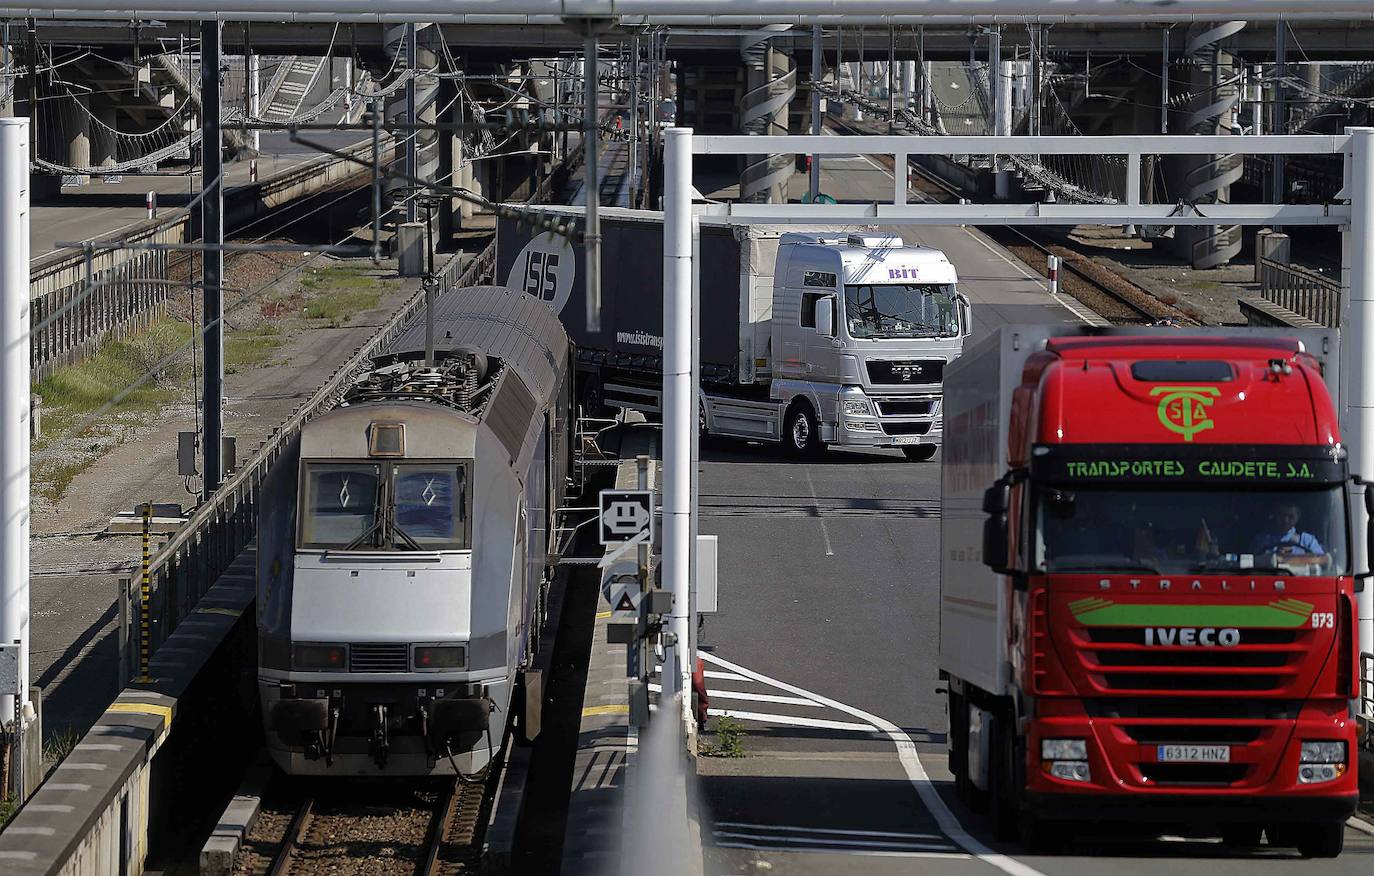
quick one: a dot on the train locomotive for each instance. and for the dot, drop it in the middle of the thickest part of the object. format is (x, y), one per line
(404, 548)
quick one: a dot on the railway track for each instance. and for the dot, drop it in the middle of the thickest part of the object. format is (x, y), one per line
(422, 829)
(1114, 298)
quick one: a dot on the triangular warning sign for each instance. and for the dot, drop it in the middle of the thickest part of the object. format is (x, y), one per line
(625, 604)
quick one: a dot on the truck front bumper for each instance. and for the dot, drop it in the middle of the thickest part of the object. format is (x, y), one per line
(1191, 809)
(884, 431)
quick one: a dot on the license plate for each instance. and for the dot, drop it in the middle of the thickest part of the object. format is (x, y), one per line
(1194, 754)
(906, 439)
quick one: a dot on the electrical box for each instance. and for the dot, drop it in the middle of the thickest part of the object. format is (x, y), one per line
(705, 585)
(229, 454)
(187, 443)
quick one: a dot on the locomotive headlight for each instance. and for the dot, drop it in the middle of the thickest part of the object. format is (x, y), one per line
(438, 657)
(319, 657)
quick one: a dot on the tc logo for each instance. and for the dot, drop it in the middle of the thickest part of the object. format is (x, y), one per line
(1183, 409)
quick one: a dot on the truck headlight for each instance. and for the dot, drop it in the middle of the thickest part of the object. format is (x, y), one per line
(439, 657)
(857, 407)
(319, 657)
(1063, 749)
(1323, 752)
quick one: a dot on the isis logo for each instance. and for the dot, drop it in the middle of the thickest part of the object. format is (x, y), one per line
(1183, 409)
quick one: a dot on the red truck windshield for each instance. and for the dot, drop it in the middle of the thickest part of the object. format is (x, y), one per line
(1215, 530)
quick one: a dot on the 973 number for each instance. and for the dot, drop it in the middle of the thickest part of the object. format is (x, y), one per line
(1323, 620)
(540, 279)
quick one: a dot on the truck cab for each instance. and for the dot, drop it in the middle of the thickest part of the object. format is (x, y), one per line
(1147, 585)
(862, 328)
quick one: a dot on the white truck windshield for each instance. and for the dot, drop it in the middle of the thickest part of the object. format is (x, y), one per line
(901, 310)
(1212, 531)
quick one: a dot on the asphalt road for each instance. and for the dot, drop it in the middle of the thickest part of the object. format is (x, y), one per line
(826, 644)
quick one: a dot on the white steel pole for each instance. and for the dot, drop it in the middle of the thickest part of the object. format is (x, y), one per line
(678, 390)
(14, 400)
(255, 97)
(1357, 367)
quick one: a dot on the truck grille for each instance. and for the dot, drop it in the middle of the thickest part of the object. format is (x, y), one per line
(908, 372)
(1264, 661)
(905, 407)
(378, 657)
(906, 428)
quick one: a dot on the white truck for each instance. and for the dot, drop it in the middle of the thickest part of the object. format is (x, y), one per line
(808, 338)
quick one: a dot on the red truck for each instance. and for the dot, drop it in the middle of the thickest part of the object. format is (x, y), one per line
(1147, 609)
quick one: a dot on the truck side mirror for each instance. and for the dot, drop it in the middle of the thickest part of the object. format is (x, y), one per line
(965, 314)
(996, 542)
(825, 316)
(1362, 577)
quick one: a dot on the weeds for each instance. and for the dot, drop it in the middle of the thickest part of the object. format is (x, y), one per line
(250, 348)
(7, 810)
(729, 739)
(59, 745)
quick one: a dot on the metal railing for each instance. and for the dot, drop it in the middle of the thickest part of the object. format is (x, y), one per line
(1302, 291)
(218, 531)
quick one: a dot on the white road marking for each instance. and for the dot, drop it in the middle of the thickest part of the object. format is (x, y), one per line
(1360, 824)
(725, 676)
(792, 828)
(843, 844)
(911, 764)
(825, 530)
(750, 697)
(874, 853)
(789, 720)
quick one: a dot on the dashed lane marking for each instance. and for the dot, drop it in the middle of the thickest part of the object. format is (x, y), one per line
(825, 530)
(911, 764)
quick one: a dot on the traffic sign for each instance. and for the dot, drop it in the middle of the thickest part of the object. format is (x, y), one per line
(627, 516)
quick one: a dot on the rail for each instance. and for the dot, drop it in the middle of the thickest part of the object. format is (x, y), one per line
(1302, 291)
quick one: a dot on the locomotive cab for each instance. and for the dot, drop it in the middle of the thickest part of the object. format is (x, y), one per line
(401, 612)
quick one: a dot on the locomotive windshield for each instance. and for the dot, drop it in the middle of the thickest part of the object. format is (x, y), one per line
(404, 506)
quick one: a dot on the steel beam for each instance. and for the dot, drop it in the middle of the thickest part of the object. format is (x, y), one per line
(212, 259)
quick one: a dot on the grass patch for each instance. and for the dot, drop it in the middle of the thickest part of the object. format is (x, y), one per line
(52, 480)
(59, 745)
(338, 292)
(7, 810)
(250, 348)
(729, 739)
(75, 392)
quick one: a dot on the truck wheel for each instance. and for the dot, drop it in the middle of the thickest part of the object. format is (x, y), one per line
(1315, 840)
(1003, 795)
(801, 435)
(920, 453)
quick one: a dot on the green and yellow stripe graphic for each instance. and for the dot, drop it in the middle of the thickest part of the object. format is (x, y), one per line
(1099, 612)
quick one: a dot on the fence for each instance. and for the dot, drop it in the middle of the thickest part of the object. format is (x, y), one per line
(202, 549)
(68, 323)
(1304, 292)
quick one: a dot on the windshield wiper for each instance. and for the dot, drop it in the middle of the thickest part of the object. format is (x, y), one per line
(413, 544)
(1104, 563)
(365, 537)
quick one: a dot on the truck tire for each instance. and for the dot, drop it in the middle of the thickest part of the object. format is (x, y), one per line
(1312, 840)
(958, 755)
(1004, 797)
(920, 453)
(801, 434)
